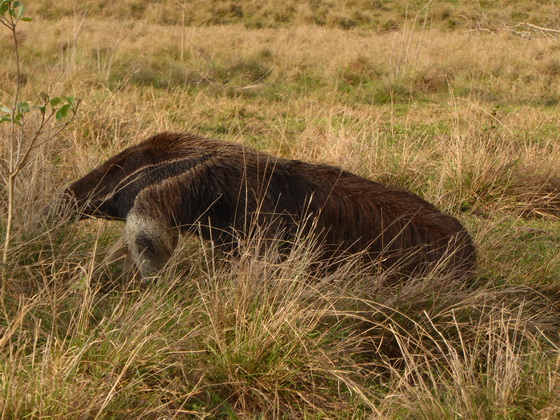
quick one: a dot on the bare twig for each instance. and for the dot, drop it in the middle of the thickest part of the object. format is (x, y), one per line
(211, 68)
(10, 23)
(532, 29)
(540, 28)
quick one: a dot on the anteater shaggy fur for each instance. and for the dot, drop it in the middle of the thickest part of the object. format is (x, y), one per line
(172, 183)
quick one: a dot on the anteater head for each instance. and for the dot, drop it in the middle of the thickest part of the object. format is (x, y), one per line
(109, 190)
(91, 195)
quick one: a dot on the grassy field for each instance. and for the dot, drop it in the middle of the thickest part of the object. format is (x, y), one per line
(456, 101)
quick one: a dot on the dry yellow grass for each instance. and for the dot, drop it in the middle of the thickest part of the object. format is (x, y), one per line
(467, 119)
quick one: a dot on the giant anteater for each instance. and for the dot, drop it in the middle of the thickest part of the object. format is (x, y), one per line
(172, 183)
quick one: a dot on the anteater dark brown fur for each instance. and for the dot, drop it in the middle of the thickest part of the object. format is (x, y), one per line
(172, 183)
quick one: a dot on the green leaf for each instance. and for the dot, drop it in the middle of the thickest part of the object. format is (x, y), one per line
(13, 9)
(4, 119)
(26, 19)
(62, 112)
(17, 119)
(4, 7)
(71, 99)
(23, 107)
(6, 110)
(55, 101)
(42, 109)
(20, 9)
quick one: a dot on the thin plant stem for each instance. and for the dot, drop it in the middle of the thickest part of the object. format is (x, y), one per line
(12, 164)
